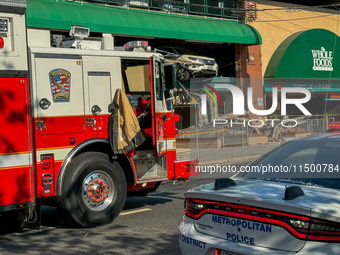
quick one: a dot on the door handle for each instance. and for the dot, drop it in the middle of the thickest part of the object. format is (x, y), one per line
(91, 122)
(40, 124)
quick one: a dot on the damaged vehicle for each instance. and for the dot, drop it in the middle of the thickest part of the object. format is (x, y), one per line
(199, 66)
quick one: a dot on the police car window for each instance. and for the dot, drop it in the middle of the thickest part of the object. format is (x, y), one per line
(316, 152)
(296, 154)
(308, 156)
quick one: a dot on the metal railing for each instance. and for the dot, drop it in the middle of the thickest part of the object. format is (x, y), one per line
(202, 132)
(315, 125)
(238, 135)
(215, 8)
(335, 112)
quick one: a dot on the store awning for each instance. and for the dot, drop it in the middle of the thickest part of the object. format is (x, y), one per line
(308, 54)
(122, 21)
(307, 59)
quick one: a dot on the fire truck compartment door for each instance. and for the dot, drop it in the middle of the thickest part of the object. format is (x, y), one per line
(16, 173)
(58, 81)
(102, 76)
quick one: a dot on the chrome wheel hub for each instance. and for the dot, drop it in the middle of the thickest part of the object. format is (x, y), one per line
(181, 73)
(98, 190)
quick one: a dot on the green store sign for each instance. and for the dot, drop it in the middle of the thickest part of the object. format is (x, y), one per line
(309, 59)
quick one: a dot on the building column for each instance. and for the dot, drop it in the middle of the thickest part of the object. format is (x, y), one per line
(249, 74)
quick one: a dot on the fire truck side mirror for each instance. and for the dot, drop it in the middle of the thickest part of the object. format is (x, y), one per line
(170, 95)
(170, 77)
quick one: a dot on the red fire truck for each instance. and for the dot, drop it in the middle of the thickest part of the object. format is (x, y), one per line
(54, 123)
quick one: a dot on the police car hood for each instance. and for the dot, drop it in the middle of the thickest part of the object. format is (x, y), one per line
(319, 202)
(248, 212)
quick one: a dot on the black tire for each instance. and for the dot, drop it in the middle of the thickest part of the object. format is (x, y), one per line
(183, 74)
(92, 169)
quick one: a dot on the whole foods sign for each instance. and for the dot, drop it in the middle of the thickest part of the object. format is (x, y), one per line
(309, 54)
(322, 60)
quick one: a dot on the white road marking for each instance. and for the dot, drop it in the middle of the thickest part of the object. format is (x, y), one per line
(135, 211)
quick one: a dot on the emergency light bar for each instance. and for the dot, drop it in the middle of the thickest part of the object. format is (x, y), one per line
(13, 3)
(130, 46)
(80, 32)
(334, 125)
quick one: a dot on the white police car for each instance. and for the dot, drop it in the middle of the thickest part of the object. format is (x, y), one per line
(291, 209)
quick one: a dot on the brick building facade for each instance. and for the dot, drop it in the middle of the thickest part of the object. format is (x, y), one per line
(249, 73)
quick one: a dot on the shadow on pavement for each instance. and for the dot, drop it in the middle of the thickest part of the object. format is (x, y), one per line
(91, 241)
(116, 238)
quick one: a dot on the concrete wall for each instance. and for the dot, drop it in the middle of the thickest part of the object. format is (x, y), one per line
(257, 139)
(276, 25)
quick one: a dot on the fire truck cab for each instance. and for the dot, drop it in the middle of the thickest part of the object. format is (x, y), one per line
(55, 123)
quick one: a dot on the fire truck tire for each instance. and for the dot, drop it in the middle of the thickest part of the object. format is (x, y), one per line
(93, 191)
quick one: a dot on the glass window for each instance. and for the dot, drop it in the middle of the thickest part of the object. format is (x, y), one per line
(312, 153)
(308, 156)
(184, 51)
(159, 78)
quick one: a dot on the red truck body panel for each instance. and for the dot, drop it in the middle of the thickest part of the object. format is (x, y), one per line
(16, 172)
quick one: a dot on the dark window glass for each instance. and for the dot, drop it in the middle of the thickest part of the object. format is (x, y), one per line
(321, 152)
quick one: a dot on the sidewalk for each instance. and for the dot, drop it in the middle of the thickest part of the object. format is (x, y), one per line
(226, 155)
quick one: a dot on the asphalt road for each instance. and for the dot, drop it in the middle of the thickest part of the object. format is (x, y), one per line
(147, 225)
